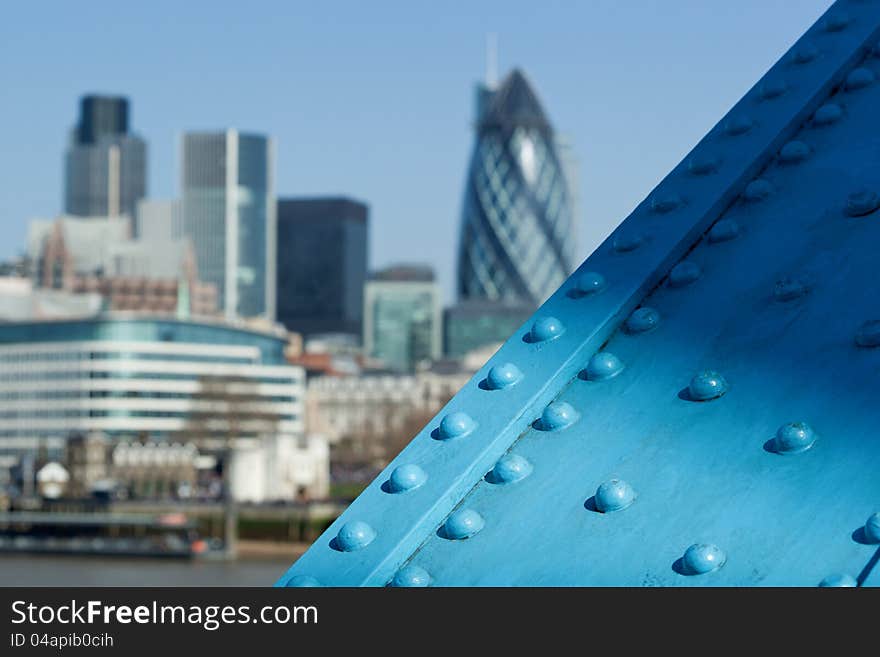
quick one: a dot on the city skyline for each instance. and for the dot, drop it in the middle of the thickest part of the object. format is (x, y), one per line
(592, 66)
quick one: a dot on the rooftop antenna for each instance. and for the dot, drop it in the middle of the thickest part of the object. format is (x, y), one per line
(491, 60)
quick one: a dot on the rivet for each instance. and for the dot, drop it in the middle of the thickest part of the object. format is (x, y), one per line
(302, 581)
(872, 528)
(862, 202)
(558, 415)
(625, 242)
(836, 23)
(546, 328)
(839, 580)
(503, 376)
(603, 365)
(794, 152)
(738, 125)
(684, 273)
(805, 53)
(641, 320)
(827, 114)
(614, 495)
(664, 204)
(707, 385)
(411, 576)
(590, 282)
(702, 558)
(868, 334)
(511, 468)
(462, 524)
(859, 78)
(703, 165)
(354, 535)
(723, 230)
(771, 89)
(757, 190)
(794, 438)
(407, 477)
(788, 289)
(456, 425)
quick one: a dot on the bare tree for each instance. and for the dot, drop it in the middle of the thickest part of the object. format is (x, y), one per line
(227, 410)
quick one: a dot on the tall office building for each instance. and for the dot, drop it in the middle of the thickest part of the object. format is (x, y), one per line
(403, 317)
(322, 265)
(105, 165)
(229, 215)
(518, 225)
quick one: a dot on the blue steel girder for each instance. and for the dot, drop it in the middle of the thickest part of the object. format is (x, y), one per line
(732, 417)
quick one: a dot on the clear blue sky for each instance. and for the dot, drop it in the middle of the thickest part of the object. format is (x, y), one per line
(374, 99)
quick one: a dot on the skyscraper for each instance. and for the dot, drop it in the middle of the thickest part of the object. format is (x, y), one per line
(518, 225)
(322, 264)
(105, 165)
(229, 215)
(402, 317)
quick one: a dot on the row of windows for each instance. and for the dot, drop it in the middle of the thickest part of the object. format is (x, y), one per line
(125, 394)
(121, 413)
(164, 376)
(54, 356)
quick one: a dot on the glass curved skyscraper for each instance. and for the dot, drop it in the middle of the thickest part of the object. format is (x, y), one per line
(517, 240)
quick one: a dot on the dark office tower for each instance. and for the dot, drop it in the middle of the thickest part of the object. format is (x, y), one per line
(322, 264)
(228, 212)
(517, 241)
(105, 165)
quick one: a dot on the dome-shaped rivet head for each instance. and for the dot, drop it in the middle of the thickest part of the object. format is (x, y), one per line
(590, 282)
(836, 22)
(868, 334)
(411, 576)
(558, 415)
(839, 580)
(302, 581)
(827, 114)
(625, 242)
(771, 89)
(872, 528)
(603, 365)
(511, 468)
(738, 125)
(614, 495)
(503, 376)
(463, 523)
(862, 202)
(723, 231)
(406, 477)
(794, 438)
(684, 273)
(456, 425)
(642, 319)
(788, 289)
(546, 328)
(859, 78)
(805, 53)
(794, 152)
(703, 165)
(354, 535)
(757, 190)
(707, 385)
(702, 558)
(665, 203)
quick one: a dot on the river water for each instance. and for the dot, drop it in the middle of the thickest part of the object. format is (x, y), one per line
(18, 570)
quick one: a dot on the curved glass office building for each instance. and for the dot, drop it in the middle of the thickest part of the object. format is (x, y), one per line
(517, 236)
(144, 377)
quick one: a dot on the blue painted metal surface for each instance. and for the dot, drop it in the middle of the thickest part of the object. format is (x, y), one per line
(735, 440)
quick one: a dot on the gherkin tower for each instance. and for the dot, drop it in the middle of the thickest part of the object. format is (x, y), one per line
(517, 233)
